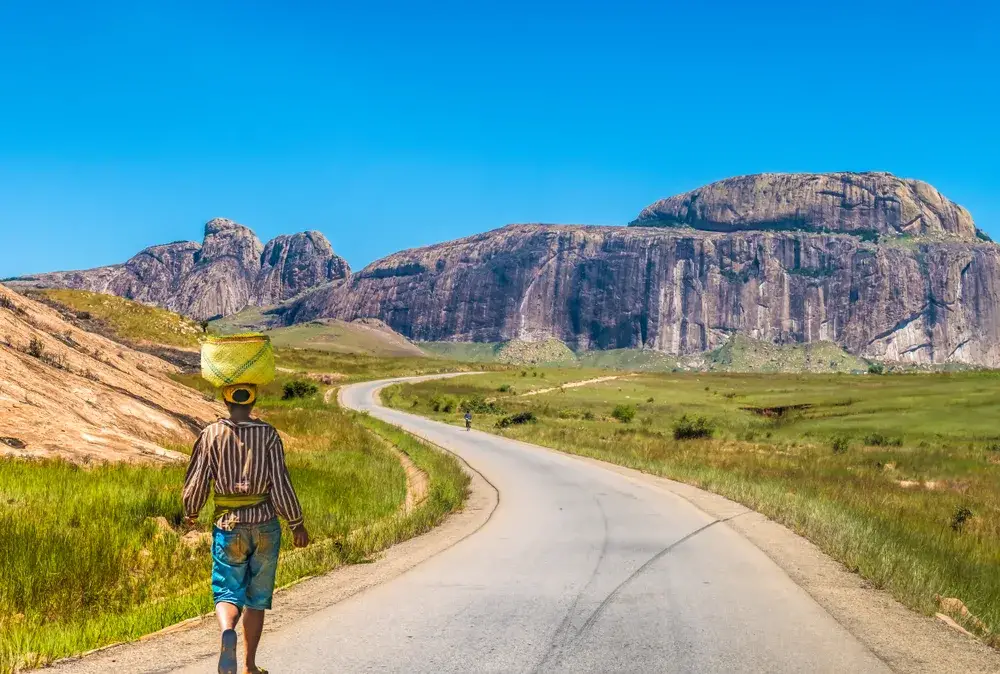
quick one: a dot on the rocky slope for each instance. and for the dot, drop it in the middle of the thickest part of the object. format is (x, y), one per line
(228, 271)
(886, 268)
(65, 392)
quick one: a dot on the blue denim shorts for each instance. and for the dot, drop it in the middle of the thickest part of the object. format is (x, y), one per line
(244, 563)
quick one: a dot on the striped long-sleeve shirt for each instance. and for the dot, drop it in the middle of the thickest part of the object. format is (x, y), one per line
(243, 458)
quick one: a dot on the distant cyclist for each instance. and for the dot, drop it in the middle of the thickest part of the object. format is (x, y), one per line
(468, 421)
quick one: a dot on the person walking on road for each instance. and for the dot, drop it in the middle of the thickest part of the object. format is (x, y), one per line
(468, 421)
(246, 459)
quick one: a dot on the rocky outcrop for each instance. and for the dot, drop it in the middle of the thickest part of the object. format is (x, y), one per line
(228, 272)
(861, 203)
(932, 297)
(72, 394)
(293, 264)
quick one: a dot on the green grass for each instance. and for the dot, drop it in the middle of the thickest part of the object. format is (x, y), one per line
(469, 352)
(742, 354)
(84, 563)
(361, 366)
(125, 319)
(340, 336)
(645, 360)
(251, 319)
(873, 469)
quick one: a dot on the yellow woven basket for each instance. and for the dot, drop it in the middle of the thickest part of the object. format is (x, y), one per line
(237, 359)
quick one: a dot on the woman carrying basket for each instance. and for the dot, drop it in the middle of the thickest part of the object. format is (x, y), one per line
(246, 459)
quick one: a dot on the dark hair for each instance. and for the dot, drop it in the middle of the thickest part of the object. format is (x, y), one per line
(241, 396)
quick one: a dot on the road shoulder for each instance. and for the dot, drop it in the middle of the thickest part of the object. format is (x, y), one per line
(194, 640)
(905, 640)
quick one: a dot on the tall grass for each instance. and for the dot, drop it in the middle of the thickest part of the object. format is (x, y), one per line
(85, 562)
(876, 470)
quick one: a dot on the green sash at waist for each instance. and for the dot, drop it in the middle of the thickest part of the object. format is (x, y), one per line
(227, 503)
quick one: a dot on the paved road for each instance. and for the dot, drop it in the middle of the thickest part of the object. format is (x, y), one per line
(579, 570)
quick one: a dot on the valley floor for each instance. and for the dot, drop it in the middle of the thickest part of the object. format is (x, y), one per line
(897, 477)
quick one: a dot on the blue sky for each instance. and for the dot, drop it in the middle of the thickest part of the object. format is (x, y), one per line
(390, 125)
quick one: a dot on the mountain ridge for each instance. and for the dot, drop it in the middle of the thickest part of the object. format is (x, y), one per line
(229, 271)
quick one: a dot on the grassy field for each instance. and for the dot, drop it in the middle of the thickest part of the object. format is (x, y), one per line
(329, 334)
(738, 354)
(95, 555)
(897, 476)
(125, 319)
(351, 367)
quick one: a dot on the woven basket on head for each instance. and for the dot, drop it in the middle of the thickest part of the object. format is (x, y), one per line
(237, 359)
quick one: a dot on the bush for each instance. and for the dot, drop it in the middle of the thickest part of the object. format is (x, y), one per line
(478, 405)
(687, 428)
(298, 388)
(588, 416)
(515, 419)
(36, 347)
(441, 403)
(505, 388)
(840, 445)
(623, 413)
(879, 440)
(876, 368)
(961, 516)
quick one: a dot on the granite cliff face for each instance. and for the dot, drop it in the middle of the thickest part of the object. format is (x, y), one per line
(860, 203)
(229, 271)
(793, 264)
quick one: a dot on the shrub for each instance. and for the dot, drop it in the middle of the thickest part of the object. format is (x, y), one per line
(623, 413)
(36, 347)
(687, 428)
(840, 445)
(961, 516)
(441, 403)
(877, 439)
(10, 305)
(505, 388)
(298, 389)
(478, 405)
(514, 419)
(588, 416)
(876, 368)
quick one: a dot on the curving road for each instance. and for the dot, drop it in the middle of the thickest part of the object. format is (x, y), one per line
(578, 570)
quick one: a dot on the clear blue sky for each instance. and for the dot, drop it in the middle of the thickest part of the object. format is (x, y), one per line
(390, 125)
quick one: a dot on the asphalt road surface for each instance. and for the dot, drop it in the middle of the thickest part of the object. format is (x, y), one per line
(578, 570)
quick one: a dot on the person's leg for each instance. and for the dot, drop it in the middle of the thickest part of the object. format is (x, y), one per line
(266, 541)
(253, 625)
(228, 615)
(230, 574)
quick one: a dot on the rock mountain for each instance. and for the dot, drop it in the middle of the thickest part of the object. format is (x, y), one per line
(229, 271)
(885, 267)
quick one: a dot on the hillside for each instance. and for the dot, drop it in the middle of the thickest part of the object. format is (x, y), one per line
(122, 319)
(77, 395)
(363, 336)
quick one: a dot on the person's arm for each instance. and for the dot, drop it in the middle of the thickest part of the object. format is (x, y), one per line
(197, 480)
(286, 503)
